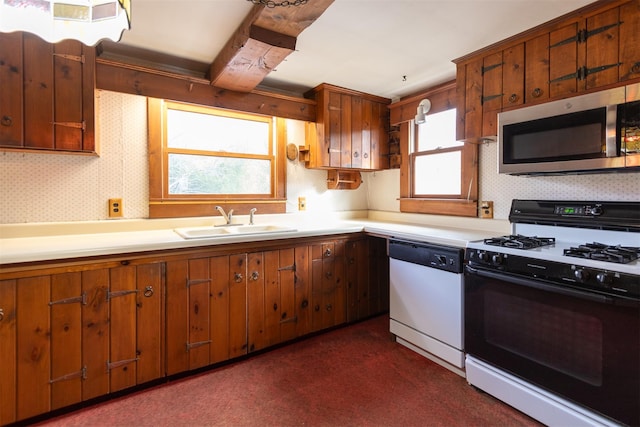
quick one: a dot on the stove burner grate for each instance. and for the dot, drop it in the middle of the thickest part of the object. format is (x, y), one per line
(519, 241)
(601, 252)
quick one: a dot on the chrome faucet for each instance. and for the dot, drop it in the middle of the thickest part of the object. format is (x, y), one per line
(251, 212)
(226, 216)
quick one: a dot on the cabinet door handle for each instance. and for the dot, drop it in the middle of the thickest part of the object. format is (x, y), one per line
(254, 276)
(329, 307)
(365, 155)
(513, 98)
(237, 277)
(148, 291)
(328, 275)
(355, 154)
(327, 253)
(6, 121)
(537, 92)
(635, 68)
(1, 314)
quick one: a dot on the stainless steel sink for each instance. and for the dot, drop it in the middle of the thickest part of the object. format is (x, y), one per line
(229, 231)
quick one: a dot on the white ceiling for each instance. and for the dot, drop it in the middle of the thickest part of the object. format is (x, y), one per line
(390, 48)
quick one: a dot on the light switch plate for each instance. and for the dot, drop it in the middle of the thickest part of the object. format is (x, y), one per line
(486, 210)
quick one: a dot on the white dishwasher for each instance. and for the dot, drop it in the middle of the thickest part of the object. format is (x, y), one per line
(426, 300)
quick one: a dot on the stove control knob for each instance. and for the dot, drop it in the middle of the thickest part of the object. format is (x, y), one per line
(442, 260)
(496, 259)
(582, 274)
(483, 256)
(604, 278)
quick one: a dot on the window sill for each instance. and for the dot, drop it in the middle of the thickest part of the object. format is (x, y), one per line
(454, 207)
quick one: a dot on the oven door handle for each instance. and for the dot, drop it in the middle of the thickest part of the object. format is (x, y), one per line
(537, 284)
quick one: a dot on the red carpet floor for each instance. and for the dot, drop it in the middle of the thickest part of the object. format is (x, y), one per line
(353, 376)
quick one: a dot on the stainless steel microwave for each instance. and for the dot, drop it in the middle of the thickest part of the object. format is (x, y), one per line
(593, 133)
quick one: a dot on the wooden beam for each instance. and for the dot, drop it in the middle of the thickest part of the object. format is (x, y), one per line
(263, 40)
(139, 80)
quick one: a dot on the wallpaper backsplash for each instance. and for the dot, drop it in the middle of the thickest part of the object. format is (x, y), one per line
(58, 187)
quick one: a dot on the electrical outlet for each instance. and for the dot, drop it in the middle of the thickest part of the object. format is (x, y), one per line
(486, 210)
(115, 208)
(302, 203)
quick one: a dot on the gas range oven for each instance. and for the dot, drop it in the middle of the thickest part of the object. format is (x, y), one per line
(552, 312)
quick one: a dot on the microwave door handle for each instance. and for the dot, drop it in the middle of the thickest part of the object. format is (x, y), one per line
(611, 140)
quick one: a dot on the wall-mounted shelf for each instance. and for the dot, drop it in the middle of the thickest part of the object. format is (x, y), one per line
(338, 179)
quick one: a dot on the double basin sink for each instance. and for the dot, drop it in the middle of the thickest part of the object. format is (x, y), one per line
(229, 231)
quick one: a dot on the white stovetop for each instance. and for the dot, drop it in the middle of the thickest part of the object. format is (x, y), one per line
(82, 240)
(570, 238)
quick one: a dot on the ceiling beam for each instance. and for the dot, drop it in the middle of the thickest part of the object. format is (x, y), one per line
(263, 40)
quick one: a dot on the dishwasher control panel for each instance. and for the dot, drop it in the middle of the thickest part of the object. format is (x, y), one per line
(445, 258)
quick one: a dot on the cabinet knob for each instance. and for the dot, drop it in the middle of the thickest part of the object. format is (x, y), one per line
(237, 277)
(327, 253)
(6, 121)
(513, 98)
(148, 291)
(356, 154)
(329, 307)
(635, 68)
(254, 276)
(328, 275)
(1, 314)
(537, 92)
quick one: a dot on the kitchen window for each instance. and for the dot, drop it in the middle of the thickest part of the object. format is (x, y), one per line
(438, 173)
(202, 156)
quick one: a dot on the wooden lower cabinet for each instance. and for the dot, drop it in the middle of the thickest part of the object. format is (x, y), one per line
(70, 337)
(70, 332)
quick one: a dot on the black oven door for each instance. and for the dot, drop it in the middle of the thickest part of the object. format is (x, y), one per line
(582, 346)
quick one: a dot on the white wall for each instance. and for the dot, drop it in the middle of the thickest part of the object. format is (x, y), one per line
(58, 187)
(61, 187)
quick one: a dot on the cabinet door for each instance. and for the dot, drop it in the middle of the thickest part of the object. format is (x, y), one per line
(537, 69)
(630, 41)
(602, 38)
(33, 328)
(95, 333)
(11, 78)
(564, 58)
(149, 321)
(513, 77)
(67, 368)
(469, 108)
(257, 331)
(237, 305)
(492, 92)
(302, 282)
(357, 264)
(8, 383)
(328, 292)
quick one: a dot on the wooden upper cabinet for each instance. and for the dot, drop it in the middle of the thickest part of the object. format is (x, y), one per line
(595, 47)
(47, 101)
(351, 130)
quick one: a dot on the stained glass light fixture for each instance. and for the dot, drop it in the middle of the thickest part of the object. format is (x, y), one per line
(88, 21)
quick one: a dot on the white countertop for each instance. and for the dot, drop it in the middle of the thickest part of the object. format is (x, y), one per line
(65, 246)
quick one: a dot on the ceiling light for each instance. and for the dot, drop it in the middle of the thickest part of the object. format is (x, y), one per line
(272, 4)
(88, 21)
(423, 109)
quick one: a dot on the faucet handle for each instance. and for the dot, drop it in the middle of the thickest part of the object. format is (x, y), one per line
(251, 212)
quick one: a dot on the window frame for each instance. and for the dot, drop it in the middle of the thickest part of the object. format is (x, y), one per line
(442, 98)
(162, 204)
